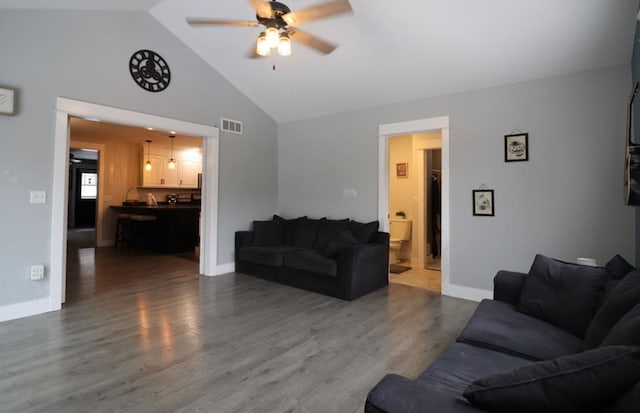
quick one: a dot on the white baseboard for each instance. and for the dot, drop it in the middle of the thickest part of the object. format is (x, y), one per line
(226, 268)
(467, 293)
(26, 309)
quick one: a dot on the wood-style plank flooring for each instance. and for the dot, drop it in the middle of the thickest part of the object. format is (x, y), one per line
(145, 333)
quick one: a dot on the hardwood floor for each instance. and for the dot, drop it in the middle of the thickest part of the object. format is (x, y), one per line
(145, 333)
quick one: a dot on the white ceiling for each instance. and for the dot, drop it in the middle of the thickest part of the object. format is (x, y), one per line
(398, 51)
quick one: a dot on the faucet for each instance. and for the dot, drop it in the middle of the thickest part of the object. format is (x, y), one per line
(126, 197)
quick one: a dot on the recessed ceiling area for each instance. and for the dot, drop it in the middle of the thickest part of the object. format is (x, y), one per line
(398, 51)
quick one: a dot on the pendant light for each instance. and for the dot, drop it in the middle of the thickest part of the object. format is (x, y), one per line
(148, 166)
(172, 162)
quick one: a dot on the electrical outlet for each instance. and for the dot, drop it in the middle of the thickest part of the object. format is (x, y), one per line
(37, 197)
(37, 272)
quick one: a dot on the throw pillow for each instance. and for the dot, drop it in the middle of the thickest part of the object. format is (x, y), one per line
(290, 226)
(562, 293)
(344, 239)
(267, 233)
(306, 232)
(626, 331)
(618, 267)
(327, 230)
(623, 297)
(582, 382)
(363, 232)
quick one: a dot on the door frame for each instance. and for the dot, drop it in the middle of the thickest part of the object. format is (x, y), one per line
(65, 108)
(385, 132)
(100, 200)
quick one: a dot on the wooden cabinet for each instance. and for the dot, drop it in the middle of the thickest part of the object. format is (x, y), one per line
(184, 175)
(188, 173)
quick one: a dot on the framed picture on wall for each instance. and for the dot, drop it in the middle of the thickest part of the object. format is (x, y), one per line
(483, 203)
(402, 170)
(516, 147)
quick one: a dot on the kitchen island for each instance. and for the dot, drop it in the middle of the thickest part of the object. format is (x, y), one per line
(175, 230)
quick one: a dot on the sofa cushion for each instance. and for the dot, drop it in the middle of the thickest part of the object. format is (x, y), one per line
(562, 293)
(498, 326)
(272, 256)
(623, 297)
(306, 231)
(628, 402)
(267, 233)
(290, 226)
(363, 232)
(463, 363)
(626, 331)
(582, 382)
(328, 230)
(344, 239)
(618, 267)
(311, 261)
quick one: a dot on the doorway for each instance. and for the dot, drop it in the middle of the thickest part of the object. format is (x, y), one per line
(415, 209)
(428, 125)
(82, 197)
(67, 108)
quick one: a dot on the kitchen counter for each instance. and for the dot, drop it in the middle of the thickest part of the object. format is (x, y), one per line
(176, 229)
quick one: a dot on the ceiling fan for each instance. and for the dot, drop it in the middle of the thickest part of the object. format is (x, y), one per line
(281, 25)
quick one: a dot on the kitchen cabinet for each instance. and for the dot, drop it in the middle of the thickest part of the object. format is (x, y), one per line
(184, 175)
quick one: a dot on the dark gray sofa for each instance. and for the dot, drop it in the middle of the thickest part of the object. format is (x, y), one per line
(506, 360)
(340, 258)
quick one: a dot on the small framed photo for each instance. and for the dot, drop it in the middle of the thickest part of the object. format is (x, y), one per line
(483, 202)
(516, 147)
(6, 102)
(402, 170)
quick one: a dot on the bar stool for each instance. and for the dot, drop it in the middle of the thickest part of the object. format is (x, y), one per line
(122, 229)
(139, 229)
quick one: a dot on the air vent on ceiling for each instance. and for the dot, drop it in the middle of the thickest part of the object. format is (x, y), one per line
(232, 126)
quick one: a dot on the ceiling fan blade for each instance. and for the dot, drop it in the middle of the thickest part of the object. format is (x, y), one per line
(263, 8)
(319, 11)
(311, 41)
(221, 22)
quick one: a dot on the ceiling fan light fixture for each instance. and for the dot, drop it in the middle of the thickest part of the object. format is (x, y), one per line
(272, 36)
(284, 45)
(262, 47)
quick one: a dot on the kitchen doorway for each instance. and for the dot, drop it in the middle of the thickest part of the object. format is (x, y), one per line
(67, 108)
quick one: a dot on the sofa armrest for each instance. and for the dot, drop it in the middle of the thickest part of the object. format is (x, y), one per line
(362, 268)
(398, 394)
(381, 238)
(242, 239)
(507, 286)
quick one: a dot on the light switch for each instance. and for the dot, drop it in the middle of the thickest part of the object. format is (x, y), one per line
(38, 197)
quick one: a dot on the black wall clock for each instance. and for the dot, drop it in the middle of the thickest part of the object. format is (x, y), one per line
(149, 70)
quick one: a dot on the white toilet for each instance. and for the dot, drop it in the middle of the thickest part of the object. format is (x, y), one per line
(399, 232)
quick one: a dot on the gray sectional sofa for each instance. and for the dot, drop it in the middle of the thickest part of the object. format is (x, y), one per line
(563, 338)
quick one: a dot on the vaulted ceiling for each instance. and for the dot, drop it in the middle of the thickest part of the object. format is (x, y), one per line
(396, 51)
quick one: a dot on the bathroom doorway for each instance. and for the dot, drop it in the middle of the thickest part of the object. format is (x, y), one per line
(414, 182)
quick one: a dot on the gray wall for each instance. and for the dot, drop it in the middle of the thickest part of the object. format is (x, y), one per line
(566, 202)
(84, 56)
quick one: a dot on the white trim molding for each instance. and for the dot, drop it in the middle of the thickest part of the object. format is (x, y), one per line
(226, 268)
(68, 107)
(385, 131)
(26, 309)
(467, 293)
